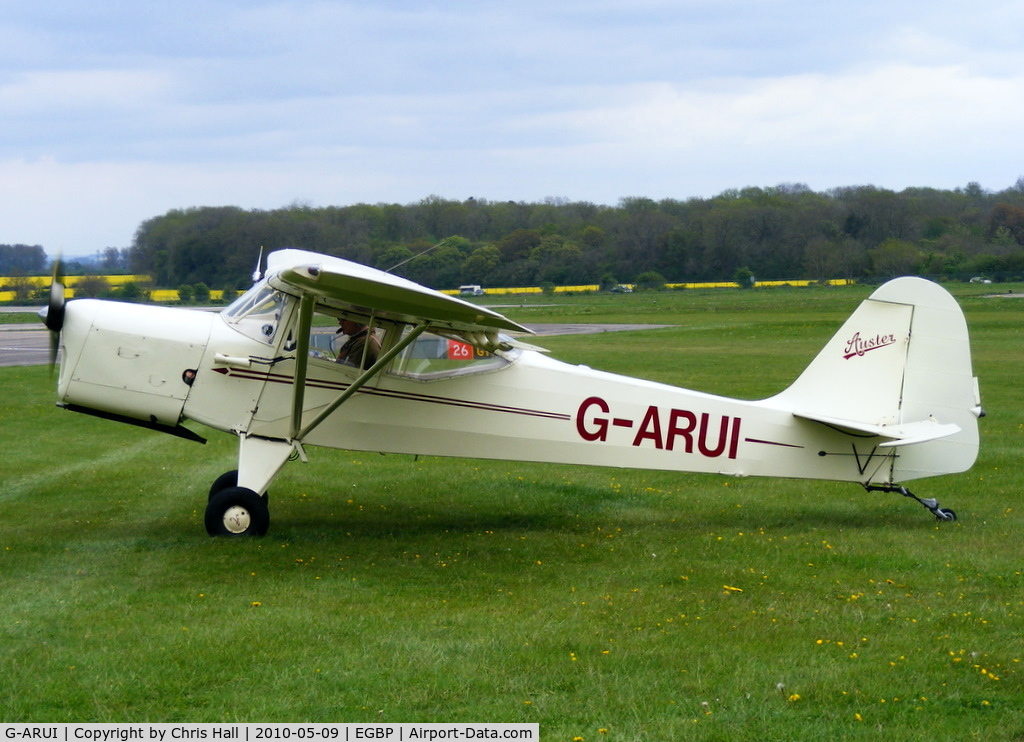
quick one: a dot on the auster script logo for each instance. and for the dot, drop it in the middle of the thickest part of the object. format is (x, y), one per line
(858, 346)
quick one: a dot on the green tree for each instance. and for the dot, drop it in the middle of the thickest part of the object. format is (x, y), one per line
(822, 259)
(593, 238)
(479, 266)
(394, 257)
(518, 244)
(25, 260)
(785, 231)
(1009, 219)
(130, 291)
(895, 258)
(22, 286)
(744, 278)
(650, 281)
(90, 287)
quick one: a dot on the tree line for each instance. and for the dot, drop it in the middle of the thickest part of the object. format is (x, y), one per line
(22, 260)
(784, 232)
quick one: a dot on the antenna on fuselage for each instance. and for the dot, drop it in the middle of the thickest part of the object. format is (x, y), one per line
(417, 255)
(258, 273)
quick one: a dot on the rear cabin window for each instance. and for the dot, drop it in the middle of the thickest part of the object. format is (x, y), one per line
(440, 357)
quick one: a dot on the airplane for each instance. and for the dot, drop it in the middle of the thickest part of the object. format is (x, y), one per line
(889, 399)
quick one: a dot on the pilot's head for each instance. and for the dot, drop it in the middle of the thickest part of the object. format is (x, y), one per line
(351, 327)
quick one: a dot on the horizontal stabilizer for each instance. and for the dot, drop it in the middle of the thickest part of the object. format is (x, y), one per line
(905, 434)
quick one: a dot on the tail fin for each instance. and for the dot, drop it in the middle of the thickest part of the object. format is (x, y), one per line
(898, 369)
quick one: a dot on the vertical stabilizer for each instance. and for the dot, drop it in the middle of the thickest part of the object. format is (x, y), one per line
(900, 363)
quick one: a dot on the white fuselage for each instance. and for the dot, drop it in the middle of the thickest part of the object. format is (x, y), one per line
(540, 409)
(162, 366)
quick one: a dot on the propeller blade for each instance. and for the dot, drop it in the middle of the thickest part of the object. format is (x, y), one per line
(54, 347)
(54, 317)
(53, 314)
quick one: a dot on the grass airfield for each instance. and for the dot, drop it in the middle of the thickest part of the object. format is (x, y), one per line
(603, 604)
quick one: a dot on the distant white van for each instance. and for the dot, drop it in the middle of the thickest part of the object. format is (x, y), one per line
(471, 290)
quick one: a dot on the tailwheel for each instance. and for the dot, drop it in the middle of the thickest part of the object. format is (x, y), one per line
(237, 511)
(929, 503)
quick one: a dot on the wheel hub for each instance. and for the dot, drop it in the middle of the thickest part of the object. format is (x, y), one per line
(237, 519)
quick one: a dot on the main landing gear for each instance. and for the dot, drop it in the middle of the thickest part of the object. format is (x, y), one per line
(235, 511)
(238, 498)
(930, 503)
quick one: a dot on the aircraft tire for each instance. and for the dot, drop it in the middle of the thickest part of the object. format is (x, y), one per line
(237, 511)
(229, 479)
(225, 480)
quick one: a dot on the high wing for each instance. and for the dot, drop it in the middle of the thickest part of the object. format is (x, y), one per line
(350, 287)
(343, 284)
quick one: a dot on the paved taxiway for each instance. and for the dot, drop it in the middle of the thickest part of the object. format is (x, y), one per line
(23, 346)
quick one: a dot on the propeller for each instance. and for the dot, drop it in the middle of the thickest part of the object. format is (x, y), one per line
(53, 314)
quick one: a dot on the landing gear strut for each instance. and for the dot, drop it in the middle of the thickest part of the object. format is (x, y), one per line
(237, 504)
(930, 503)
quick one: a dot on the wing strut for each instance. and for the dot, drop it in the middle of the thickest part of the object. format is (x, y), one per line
(306, 305)
(356, 385)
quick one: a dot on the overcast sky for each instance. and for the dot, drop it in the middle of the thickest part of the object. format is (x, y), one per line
(115, 112)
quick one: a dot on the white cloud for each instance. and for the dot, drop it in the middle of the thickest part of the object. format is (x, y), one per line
(116, 113)
(892, 108)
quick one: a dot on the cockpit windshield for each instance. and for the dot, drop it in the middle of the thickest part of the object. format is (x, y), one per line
(257, 312)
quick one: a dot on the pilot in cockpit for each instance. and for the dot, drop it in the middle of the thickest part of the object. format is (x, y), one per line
(362, 346)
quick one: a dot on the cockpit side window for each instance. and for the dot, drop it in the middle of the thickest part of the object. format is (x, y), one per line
(434, 356)
(349, 341)
(257, 313)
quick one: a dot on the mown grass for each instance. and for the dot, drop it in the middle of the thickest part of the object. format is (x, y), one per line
(18, 318)
(652, 606)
